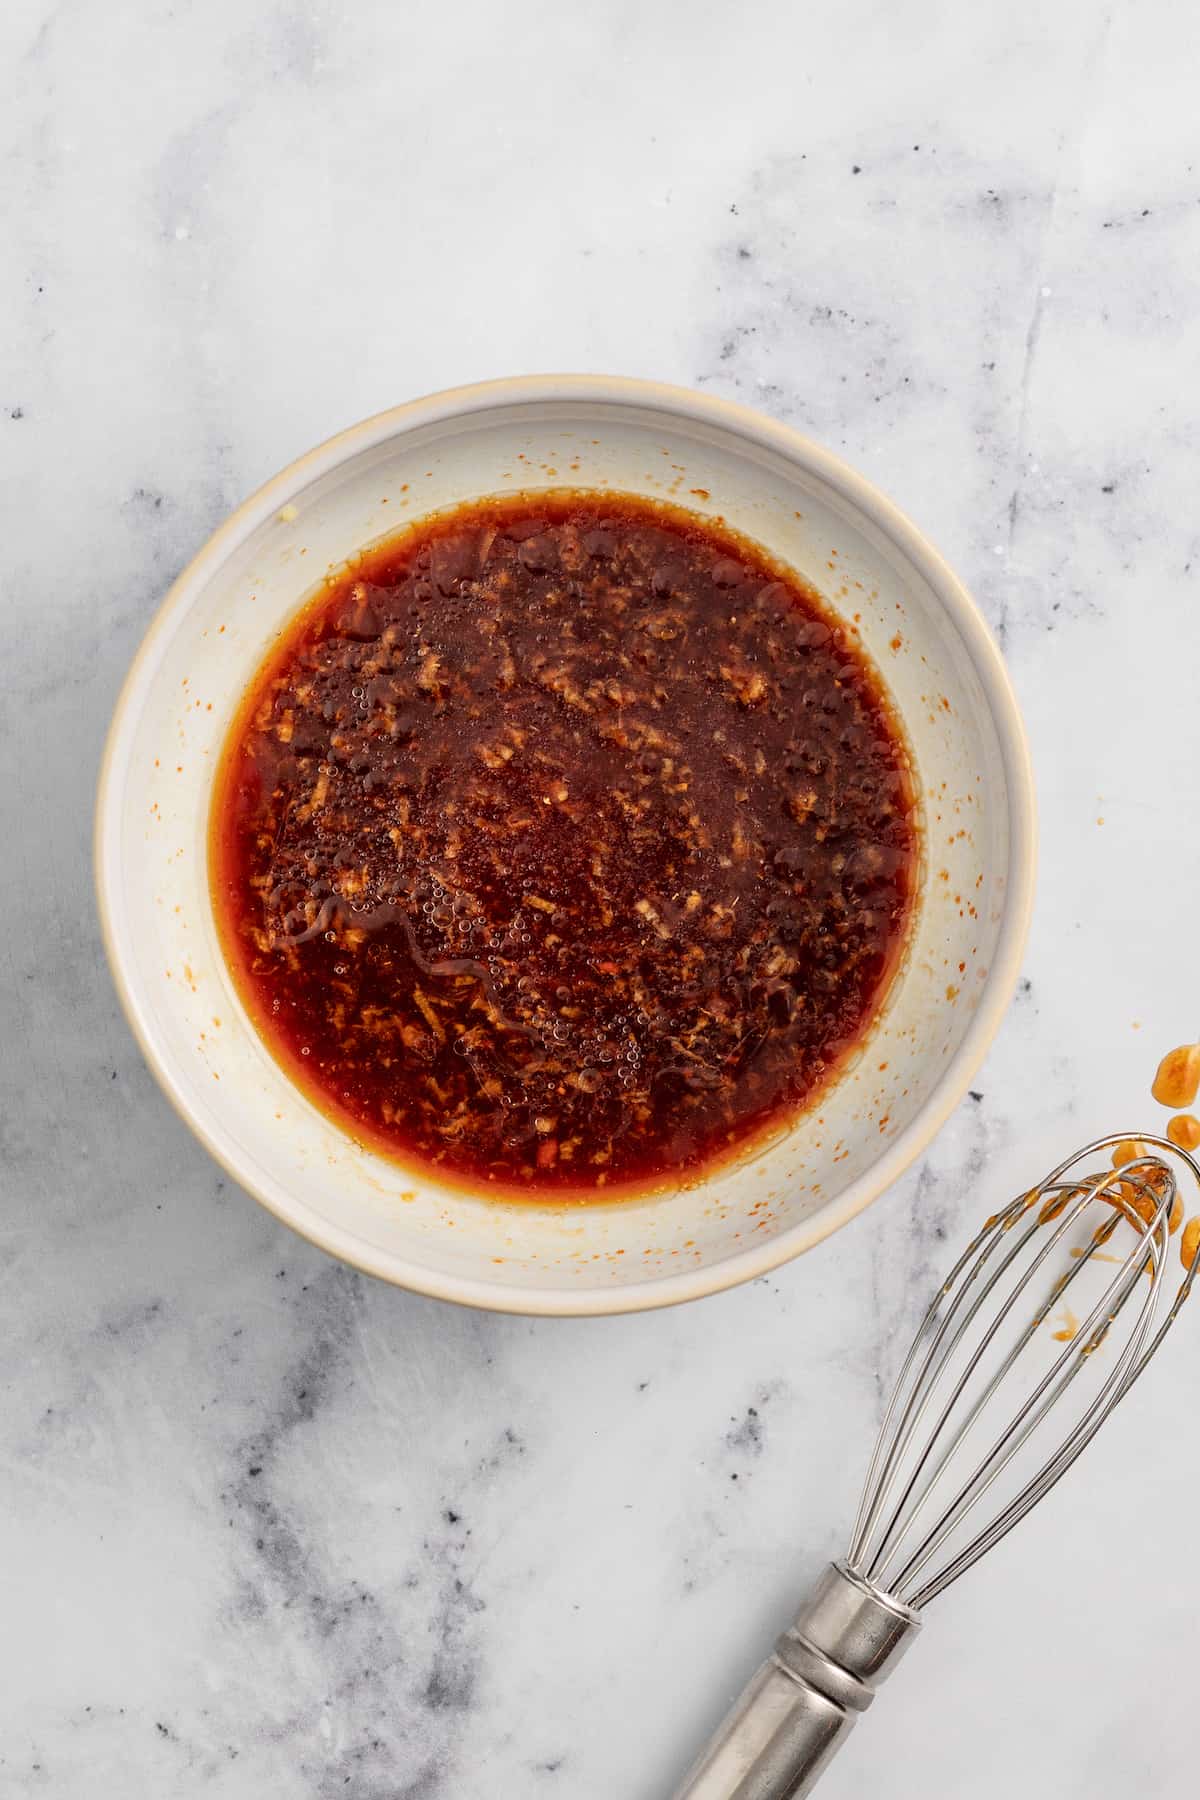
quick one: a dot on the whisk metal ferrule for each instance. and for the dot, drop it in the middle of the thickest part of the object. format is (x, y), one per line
(796, 1710)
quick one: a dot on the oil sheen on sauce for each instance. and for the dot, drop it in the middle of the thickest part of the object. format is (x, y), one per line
(564, 845)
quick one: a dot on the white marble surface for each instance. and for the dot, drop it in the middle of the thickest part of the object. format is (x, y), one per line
(267, 1528)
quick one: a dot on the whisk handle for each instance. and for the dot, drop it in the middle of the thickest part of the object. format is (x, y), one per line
(799, 1706)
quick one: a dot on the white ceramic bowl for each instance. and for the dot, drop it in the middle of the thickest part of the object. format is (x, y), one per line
(936, 656)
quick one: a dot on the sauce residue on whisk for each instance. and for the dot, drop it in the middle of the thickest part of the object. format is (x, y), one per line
(1176, 1084)
(1069, 1329)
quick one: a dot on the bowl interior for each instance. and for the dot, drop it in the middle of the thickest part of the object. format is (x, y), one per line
(206, 645)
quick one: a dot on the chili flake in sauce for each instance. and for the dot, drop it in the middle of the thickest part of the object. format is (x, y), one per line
(564, 843)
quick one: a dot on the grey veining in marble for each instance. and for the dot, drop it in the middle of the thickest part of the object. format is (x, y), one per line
(266, 1527)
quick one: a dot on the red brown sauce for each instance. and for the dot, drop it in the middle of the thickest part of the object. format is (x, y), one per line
(564, 843)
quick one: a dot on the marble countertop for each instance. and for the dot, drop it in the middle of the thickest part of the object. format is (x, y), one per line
(268, 1527)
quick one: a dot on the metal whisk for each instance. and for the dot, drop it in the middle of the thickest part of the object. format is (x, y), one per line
(1004, 1380)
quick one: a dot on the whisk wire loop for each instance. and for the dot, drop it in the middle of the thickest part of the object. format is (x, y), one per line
(938, 1357)
(918, 1494)
(1069, 1365)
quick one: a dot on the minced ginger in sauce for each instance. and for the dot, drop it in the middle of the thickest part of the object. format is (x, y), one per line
(565, 844)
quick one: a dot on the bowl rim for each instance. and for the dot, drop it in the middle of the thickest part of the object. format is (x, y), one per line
(500, 1295)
